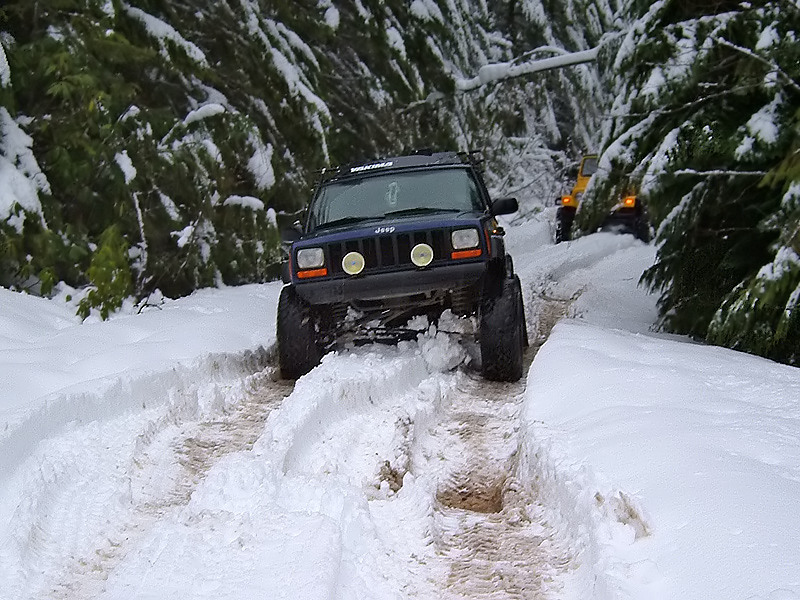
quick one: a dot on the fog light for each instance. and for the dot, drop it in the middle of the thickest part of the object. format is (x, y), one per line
(422, 255)
(353, 263)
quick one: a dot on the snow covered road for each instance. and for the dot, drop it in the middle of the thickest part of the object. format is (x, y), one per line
(157, 456)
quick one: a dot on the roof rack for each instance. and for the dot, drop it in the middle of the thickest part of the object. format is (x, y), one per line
(413, 158)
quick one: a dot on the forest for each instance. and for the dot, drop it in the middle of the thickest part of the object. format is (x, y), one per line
(153, 147)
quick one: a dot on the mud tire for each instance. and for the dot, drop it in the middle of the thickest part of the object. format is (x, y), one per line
(563, 231)
(298, 348)
(503, 333)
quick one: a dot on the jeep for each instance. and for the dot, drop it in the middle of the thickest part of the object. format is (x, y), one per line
(628, 215)
(396, 238)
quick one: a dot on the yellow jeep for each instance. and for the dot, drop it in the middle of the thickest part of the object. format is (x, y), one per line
(627, 216)
(568, 204)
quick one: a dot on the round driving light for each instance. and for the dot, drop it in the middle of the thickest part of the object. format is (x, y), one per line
(422, 255)
(353, 263)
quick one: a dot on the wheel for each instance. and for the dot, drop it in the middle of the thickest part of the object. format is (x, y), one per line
(642, 230)
(298, 350)
(502, 333)
(563, 226)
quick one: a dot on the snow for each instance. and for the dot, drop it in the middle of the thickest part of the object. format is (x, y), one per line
(395, 40)
(204, 112)
(769, 37)
(332, 18)
(762, 126)
(244, 201)
(426, 10)
(155, 456)
(500, 71)
(260, 163)
(165, 32)
(5, 70)
(21, 179)
(125, 165)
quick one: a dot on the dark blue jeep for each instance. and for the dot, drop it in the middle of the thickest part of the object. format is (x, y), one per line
(396, 238)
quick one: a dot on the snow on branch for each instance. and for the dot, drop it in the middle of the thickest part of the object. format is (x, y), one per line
(5, 70)
(763, 60)
(507, 70)
(721, 172)
(164, 32)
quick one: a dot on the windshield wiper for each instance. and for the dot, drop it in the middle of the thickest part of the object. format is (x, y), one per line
(421, 210)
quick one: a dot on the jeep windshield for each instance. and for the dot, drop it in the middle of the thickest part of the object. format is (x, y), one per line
(391, 195)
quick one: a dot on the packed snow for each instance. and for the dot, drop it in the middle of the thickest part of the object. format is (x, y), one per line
(156, 455)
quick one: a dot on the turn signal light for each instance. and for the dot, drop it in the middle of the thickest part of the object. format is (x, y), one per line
(466, 254)
(566, 199)
(629, 201)
(312, 273)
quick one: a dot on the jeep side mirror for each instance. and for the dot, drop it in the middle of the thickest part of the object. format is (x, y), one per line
(504, 206)
(292, 233)
(558, 200)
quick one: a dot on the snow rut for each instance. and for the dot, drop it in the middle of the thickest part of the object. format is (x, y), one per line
(171, 462)
(491, 528)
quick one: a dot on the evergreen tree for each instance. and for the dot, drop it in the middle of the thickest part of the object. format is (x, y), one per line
(706, 108)
(185, 127)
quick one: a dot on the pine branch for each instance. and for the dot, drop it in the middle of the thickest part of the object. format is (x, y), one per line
(792, 83)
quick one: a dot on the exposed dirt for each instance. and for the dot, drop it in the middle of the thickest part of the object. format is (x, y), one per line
(204, 443)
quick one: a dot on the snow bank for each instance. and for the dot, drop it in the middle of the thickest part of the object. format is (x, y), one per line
(703, 442)
(57, 370)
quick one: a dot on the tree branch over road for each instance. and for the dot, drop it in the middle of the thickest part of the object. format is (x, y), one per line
(508, 70)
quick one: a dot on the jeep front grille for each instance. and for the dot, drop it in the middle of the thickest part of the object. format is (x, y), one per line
(387, 251)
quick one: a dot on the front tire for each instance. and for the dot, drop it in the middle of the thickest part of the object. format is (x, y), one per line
(298, 349)
(503, 333)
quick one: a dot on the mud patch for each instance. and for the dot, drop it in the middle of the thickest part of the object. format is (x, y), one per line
(481, 497)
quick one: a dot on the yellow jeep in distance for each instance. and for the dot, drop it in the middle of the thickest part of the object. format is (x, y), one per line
(627, 216)
(568, 204)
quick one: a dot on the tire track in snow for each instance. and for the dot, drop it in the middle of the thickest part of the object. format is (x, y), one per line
(492, 530)
(171, 465)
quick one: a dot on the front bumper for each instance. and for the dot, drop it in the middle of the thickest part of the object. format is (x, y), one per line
(396, 284)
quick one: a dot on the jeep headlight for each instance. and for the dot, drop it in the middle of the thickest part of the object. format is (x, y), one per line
(465, 238)
(310, 258)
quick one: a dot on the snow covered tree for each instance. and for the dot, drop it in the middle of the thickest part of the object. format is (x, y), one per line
(705, 126)
(191, 126)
